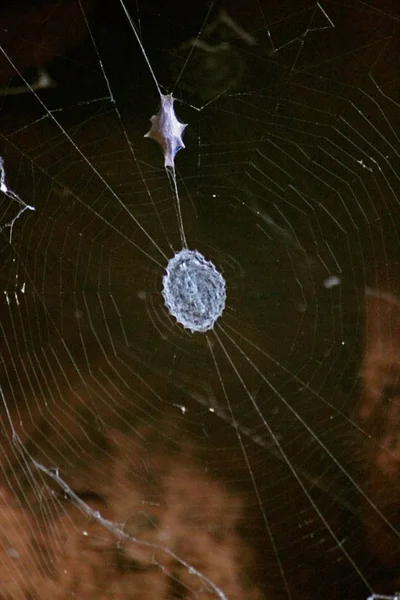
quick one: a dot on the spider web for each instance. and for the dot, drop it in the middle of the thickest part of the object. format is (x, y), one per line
(256, 460)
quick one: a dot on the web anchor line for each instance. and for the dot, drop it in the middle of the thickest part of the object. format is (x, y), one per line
(117, 531)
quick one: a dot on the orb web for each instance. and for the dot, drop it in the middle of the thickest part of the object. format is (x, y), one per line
(194, 291)
(258, 458)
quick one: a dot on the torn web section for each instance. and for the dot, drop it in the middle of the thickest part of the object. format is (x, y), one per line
(16, 205)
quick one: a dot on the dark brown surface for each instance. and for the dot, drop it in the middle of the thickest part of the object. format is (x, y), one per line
(31, 33)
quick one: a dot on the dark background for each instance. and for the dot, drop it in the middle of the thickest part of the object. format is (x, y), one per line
(289, 485)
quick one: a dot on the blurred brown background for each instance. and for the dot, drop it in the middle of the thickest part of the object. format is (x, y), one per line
(111, 421)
